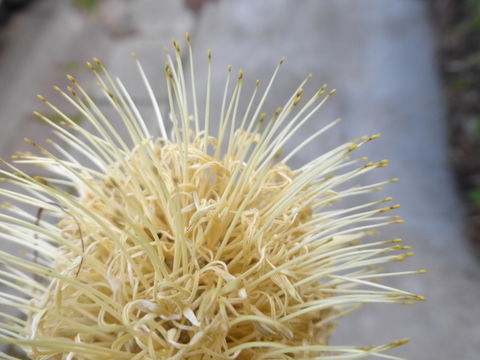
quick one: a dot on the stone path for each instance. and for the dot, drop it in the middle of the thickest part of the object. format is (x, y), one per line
(379, 55)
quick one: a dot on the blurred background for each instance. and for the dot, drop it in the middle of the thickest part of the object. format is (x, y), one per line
(409, 69)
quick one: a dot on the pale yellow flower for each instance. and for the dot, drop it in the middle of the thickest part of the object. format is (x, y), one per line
(202, 243)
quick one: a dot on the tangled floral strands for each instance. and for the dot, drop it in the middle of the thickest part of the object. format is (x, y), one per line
(192, 246)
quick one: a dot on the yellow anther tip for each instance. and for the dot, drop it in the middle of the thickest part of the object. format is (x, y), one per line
(176, 45)
(402, 341)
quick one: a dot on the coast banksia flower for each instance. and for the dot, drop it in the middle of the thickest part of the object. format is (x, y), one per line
(201, 243)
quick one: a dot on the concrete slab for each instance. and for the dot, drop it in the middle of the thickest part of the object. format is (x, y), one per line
(380, 55)
(154, 24)
(159, 20)
(43, 45)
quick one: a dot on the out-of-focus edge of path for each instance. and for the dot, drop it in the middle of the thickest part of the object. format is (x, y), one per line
(380, 54)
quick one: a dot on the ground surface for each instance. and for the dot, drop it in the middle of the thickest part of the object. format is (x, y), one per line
(380, 56)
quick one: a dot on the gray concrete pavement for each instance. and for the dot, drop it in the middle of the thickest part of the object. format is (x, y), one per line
(380, 56)
(38, 47)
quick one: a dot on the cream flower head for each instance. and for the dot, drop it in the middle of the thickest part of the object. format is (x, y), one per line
(201, 243)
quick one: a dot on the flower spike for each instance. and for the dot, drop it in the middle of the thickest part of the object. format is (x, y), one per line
(199, 244)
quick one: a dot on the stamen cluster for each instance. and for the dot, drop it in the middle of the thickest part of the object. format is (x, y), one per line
(200, 244)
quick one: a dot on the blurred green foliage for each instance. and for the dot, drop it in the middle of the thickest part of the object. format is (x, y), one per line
(458, 23)
(477, 125)
(475, 4)
(474, 195)
(87, 5)
(473, 60)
